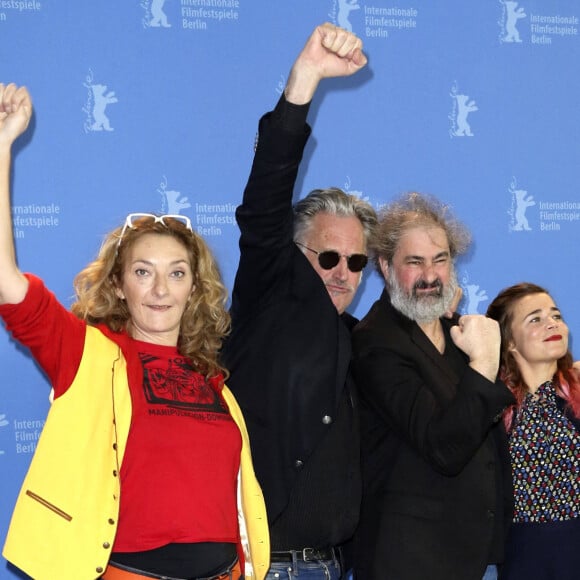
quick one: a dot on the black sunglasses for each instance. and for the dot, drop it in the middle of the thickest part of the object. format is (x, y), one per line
(329, 259)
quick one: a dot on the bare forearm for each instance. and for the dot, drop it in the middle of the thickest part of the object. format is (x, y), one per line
(15, 112)
(329, 52)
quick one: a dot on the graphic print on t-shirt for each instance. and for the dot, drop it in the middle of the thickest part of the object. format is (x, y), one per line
(173, 382)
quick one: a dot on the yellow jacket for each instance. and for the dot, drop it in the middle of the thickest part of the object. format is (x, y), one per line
(65, 519)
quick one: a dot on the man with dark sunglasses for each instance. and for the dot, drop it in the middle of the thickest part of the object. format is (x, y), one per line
(328, 259)
(289, 351)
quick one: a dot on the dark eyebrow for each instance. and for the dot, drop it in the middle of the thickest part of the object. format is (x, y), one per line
(444, 254)
(538, 310)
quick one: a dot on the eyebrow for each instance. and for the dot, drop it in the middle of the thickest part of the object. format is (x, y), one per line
(538, 310)
(150, 263)
(444, 254)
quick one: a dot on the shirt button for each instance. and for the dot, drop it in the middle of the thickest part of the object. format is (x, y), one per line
(111, 521)
(114, 473)
(298, 464)
(106, 545)
(327, 419)
(99, 570)
(490, 514)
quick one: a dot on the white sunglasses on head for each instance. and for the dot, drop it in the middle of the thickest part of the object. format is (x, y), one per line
(133, 217)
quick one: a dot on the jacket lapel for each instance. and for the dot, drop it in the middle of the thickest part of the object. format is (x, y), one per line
(419, 338)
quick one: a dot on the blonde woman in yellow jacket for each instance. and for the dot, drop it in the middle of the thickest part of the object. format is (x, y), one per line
(143, 469)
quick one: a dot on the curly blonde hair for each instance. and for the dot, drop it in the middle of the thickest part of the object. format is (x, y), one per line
(205, 321)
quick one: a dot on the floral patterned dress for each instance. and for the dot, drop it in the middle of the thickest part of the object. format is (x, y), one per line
(545, 453)
(544, 445)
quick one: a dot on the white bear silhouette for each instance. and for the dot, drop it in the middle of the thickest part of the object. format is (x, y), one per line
(464, 107)
(175, 203)
(345, 7)
(522, 204)
(159, 18)
(101, 100)
(513, 14)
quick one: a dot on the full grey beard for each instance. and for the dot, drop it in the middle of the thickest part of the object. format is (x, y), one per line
(421, 309)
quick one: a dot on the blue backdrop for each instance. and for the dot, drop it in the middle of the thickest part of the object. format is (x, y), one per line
(152, 105)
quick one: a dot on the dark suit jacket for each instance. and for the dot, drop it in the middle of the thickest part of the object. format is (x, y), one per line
(436, 471)
(289, 352)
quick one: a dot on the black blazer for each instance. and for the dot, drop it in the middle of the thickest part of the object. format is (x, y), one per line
(436, 470)
(289, 350)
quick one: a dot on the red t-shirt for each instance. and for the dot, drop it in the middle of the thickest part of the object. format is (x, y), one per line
(179, 472)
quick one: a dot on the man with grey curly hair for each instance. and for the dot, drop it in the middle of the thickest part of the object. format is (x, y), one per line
(436, 475)
(427, 300)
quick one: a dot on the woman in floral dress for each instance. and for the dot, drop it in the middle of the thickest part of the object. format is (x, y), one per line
(544, 435)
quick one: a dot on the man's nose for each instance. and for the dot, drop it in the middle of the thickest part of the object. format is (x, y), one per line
(429, 272)
(341, 269)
